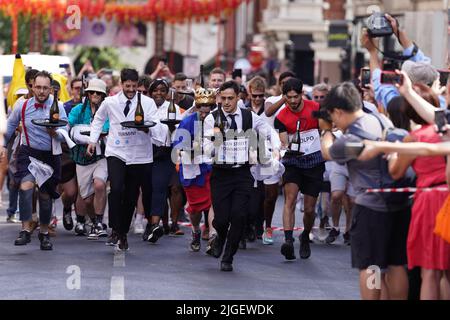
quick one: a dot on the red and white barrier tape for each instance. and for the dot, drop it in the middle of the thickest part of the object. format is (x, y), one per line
(385, 190)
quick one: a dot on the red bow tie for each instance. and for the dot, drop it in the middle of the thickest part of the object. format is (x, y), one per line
(39, 105)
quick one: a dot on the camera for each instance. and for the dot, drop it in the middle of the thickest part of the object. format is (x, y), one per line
(443, 77)
(365, 78)
(353, 149)
(441, 119)
(237, 73)
(378, 26)
(389, 77)
(323, 114)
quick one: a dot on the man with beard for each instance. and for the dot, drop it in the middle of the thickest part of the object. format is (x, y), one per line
(128, 152)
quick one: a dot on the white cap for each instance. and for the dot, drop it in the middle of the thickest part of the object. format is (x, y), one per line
(96, 85)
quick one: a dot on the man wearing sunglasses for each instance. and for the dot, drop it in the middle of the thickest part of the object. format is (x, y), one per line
(91, 171)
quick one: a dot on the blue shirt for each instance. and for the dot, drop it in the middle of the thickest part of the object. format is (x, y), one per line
(76, 116)
(188, 124)
(384, 93)
(69, 105)
(38, 136)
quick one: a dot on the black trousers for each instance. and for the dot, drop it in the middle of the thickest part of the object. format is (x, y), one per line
(125, 183)
(230, 193)
(256, 205)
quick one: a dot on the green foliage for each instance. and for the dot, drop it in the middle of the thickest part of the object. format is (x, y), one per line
(106, 57)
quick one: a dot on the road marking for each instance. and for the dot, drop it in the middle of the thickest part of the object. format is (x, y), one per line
(117, 288)
(119, 259)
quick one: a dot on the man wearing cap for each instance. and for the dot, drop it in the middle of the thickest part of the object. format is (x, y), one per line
(91, 171)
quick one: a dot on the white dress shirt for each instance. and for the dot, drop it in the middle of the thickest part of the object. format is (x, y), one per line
(161, 114)
(130, 145)
(258, 124)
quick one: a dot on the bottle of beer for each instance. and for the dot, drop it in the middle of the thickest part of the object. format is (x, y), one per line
(219, 123)
(172, 111)
(202, 80)
(139, 113)
(54, 110)
(296, 142)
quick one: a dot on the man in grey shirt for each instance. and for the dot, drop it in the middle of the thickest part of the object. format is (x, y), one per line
(378, 230)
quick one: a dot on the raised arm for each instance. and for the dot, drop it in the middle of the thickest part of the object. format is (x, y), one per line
(271, 108)
(422, 107)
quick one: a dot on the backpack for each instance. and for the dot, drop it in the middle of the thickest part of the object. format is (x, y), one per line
(394, 201)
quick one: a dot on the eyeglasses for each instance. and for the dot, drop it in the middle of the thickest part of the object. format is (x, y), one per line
(144, 92)
(319, 97)
(254, 96)
(40, 88)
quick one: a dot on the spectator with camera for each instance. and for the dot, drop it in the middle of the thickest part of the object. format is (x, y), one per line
(379, 228)
(417, 66)
(424, 248)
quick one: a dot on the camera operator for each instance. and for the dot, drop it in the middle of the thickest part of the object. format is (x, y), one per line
(378, 233)
(417, 66)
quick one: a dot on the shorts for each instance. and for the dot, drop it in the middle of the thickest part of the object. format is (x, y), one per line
(339, 180)
(309, 181)
(87, 174)
(379, 238)
(326, 187)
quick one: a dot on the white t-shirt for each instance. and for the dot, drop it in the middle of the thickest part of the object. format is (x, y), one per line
(270, 120)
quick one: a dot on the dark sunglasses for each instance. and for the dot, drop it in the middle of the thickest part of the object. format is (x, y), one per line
(254, 96)
(144, 92)
(95, 92)
(319, 97)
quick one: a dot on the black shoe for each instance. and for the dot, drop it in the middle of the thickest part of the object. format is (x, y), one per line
(155, 233)
(93, 234)
(166, 229)
(226, 266)
(80, 229)
(305, 250)
(347, 238)
(287, 250)
(195, 243)
(251, 233)
(243, 244)
(23, 239)
(217, 248)
(332, 236)
(147, 231)
(122, 243)
(112, 239)
(45, 241)
(101, 230)
(67, 219)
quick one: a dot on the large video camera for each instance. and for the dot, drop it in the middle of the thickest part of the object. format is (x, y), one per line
(379, 26)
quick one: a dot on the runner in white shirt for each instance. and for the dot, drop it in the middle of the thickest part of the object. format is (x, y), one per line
(128, 151)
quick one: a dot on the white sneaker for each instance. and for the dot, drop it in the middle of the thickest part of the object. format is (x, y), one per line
(138, 225)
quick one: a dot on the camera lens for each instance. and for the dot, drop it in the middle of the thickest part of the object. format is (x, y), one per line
(377, 21)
